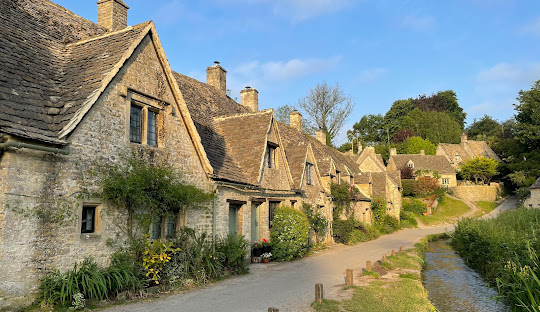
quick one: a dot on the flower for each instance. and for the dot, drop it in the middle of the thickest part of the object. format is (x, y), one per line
(266, 255)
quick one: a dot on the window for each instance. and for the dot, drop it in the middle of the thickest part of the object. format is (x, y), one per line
(309, 173)
(271, 156)
(410, 164)
(272, 206)
(338, 175)
(88, 224)
(445, 181)
(143, 125)
(234, 225)
(164, 226)
(156, 228)
(135, 124)
(457, 157)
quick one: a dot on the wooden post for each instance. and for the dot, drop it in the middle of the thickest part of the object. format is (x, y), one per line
(383, 258)
(368, 265)
(349, 275)
(393, 252)
(272, 309)
(319, 293)
(400, 248)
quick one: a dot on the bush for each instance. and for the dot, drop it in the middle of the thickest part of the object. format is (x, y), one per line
(425, 186)
(235, 250)
(414, 205)
(317, 222)
(87, 279)
(289, 234)
(408, 187)
(389, 224)
(351, 231)
(408, 219)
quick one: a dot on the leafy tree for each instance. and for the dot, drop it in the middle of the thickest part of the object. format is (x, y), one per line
(395, 115)
(369, 130)
(347, 146)
(327, 108)
(415, 144)
(434, 126)
(528, 117)
(402, 135)
(485, 129)
(479, 168)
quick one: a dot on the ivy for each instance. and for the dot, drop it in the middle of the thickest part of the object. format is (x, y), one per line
(317, 222)
(343, 195)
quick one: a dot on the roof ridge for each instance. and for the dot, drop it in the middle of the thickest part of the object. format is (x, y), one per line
(261, 112)
(141, 25)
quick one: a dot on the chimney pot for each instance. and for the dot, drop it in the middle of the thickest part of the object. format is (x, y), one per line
(422, 152)
(321, 136)
(393, 151)
(295, 120)
(112, 14)
(249, 98)
(216, 76)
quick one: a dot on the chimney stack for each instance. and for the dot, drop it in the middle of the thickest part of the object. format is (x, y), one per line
(422, 152)
(216, 76)
(463, 138)
(359, 148)
(295, 120)
(249, 98)
(393, 151)
(112, 14)
(321, 136)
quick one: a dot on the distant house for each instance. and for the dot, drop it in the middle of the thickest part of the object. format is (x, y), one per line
(534, 200)
(369, 161)
(467, 149)
(427, 165)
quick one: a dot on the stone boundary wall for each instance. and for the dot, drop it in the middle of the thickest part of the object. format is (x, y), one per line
(478, 192)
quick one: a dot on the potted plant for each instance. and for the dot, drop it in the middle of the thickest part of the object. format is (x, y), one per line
(266, 245)
(266, 257)
(256, 249)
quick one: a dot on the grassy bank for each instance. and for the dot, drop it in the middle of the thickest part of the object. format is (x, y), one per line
(393, 285)
(505, 250)
(446, 212)
(484, 207)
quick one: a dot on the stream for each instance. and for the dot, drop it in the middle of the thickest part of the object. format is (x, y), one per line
(452, 286)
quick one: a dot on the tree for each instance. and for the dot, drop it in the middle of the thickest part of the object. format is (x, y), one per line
(434, 126)
(479, 168)
(369, 130)
(415, 144)
(395, 114)
(485, 129)
(402, 135)
(528, 117)
(327, 108)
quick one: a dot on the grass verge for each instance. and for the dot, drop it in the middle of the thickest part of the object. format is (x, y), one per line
(484, 207)
(446, 212)
(396, 288)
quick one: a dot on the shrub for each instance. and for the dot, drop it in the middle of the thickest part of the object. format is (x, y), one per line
(317, 222)
(87, 279)
(389, 224)
(289, 234)
(414, 205)
(407, 219)
(408, 187)
(425, 186)
(351, 231)
(156, 253)
(235, 250)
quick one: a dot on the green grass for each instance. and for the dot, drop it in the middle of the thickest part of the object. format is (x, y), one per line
(484, 207)
(404, 295)
(403, 260)
(446, 212)
(371, 273)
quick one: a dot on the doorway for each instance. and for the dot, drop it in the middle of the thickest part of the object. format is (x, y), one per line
(255, 222)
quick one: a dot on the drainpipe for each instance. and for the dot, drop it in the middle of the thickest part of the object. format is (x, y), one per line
(34, 147)
(214, 218)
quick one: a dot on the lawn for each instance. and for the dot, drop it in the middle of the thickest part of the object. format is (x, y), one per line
(446, 212)
(484, 207)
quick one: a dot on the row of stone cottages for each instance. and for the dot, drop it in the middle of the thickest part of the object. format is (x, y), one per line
(73, 92)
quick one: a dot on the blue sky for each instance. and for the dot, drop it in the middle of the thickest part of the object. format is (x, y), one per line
(378, 51)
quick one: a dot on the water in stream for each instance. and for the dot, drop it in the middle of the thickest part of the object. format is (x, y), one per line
(453, 286)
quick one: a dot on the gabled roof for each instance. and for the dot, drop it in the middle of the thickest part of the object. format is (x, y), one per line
(536, 185)
(245, 137)
(437, 163)
(369, 153)
(296, 149)
(468, 149)
(51, 65)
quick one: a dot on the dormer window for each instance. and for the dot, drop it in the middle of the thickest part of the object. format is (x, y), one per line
(271, 160)
(308, 176)
(338, 175)
(410, 164)
(457, 157)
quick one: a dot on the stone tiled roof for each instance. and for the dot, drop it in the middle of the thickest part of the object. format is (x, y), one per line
(245, 141)
(50, 66)
(469, 149)
(424, 162)
(296, 145)
(536, 185)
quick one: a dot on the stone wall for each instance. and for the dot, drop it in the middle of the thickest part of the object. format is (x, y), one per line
(37, 186)
(478, 192)
(531, 202)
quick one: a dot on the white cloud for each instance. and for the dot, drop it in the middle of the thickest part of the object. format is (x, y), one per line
(370, 75)
(532, 28)
(257, 74)
(510, 73)
(417, 23)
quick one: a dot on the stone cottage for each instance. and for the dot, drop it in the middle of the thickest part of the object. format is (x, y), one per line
(533, 201)
(466, 149)
(426, 165)
(74, 94)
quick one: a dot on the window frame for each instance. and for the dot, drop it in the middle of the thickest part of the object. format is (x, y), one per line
(271, 160)
(152, 109)
(308, 173)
